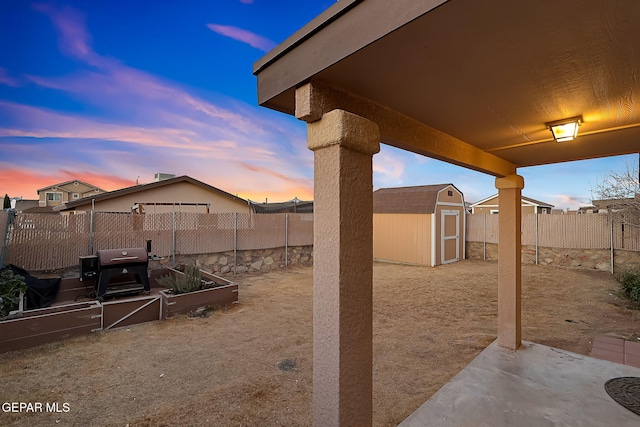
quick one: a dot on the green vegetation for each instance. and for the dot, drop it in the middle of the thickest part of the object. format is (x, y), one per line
(10, 286)
(630, 282)
(190, 281)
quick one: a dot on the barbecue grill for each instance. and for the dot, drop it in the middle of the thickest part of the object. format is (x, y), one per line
(110, 263)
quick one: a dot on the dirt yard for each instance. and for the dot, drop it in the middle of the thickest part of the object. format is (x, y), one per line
(224, 370)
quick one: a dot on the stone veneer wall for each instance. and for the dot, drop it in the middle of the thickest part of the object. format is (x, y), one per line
(599, 259)
(256, 260)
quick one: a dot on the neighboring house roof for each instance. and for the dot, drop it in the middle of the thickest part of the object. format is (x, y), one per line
(40, 210)
(143, 187)
(22, 205)
(291, 206)
(525, 200)
(417, 199)
(62, 184)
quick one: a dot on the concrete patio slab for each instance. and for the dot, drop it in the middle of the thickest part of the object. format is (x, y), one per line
(535, 385)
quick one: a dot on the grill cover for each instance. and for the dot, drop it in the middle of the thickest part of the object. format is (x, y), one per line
(128, 256)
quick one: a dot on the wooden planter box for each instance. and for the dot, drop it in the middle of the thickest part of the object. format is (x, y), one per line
(45, 325)
(221, 294)
(67, 319)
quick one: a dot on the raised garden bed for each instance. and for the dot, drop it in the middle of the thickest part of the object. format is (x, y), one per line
(45, 325)
(216, 292)
(68, 318)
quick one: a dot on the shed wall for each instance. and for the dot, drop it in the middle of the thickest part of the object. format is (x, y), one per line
(402, 238)
(455, 197)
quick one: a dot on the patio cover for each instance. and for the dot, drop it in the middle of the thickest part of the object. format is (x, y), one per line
(485, 76)
(469, 82)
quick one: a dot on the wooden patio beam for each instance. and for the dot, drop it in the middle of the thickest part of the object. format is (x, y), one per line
(317, 98)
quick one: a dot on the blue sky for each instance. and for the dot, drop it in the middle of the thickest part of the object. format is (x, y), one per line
(113, 92)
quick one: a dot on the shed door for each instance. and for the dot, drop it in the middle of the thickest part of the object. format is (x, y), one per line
(450, 236)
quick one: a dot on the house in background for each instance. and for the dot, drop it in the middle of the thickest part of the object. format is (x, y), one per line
(585, 210)
(421, 225)
(57, 194)
(529, 206)
(611, 205)
(182, 193)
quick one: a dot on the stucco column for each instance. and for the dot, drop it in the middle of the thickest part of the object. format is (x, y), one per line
(509, 260)
(343, 146)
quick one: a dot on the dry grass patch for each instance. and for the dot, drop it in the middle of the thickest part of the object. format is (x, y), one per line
(224, 370)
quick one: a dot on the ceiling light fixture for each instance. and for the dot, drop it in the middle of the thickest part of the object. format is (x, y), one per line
(566, 129)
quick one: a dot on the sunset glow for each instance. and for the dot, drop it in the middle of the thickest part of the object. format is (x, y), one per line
(113, 92)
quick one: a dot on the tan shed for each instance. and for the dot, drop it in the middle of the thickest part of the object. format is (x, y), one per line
(421, 225)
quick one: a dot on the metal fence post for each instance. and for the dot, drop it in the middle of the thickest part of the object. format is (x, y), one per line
(611, 243)
(286, 239)
(484, 239)
(537, 238)
(91, 231)
(235, 242)
(173, 244)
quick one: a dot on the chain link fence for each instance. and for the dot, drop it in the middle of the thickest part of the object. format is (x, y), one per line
(588, 231)
(43, 242)
(51, 242)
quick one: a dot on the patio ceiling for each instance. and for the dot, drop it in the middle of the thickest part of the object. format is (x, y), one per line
(482, 76)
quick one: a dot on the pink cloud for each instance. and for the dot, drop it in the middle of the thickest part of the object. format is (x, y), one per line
(41, 123)
(24, 182)
(148, 117)
(6, 79)
(252, 39)
(257, 179)
(74, 39)
(569, 201)
(243, 163)
(261, 170)
(120, 88)
(388, 167)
